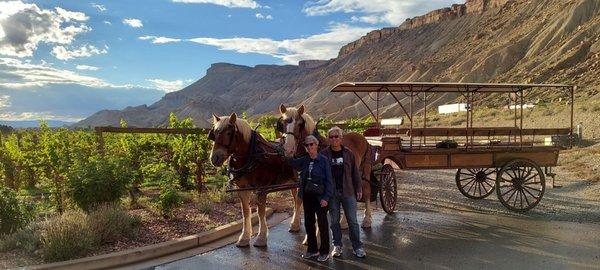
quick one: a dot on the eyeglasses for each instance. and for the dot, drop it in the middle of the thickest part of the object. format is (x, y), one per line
(308, 144)
(334, 136)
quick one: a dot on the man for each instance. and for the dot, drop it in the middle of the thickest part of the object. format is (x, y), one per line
(347, 190)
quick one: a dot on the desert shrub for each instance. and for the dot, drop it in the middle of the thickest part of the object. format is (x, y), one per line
(205, 205)
(13, 213)
(168, 200)
(218, 195)
(65, 237)
(96, 181)
(110, 222)
(26, 238)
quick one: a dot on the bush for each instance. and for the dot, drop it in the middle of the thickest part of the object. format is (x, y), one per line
(13, 214)
(96, 181)
(218, 195)
(109, 222)
(205, 205)
(27, 239)
(66, 237)
(168, 200)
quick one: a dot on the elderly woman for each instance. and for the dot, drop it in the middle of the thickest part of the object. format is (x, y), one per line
(348, 189)
(316, 188)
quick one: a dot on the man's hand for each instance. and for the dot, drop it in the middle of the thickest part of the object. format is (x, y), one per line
(323, 203)
(358, 196)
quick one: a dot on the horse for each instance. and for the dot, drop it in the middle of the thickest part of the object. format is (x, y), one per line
(254, 164)
(295, 125)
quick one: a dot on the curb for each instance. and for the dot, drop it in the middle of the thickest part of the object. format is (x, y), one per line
(121, 258)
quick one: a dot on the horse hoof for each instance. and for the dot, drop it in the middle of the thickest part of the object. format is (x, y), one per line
(242, 243)
(344, 226)
(366, 224)
(260, 242)
(294, 227)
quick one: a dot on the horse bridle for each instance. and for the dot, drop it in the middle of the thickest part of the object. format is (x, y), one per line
(232, 137)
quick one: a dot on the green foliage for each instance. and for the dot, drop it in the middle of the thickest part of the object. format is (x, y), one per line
(13, 214)
(66, 236)
(97, 180)
(168, 200)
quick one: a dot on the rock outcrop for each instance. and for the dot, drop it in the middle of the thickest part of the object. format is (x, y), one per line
(481, 41)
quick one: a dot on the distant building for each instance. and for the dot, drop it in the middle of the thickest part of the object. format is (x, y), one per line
(452, 108)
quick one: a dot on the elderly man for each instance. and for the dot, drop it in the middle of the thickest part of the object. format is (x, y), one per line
(347, 190)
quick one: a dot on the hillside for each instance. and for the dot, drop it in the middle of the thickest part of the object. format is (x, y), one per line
(539, 41)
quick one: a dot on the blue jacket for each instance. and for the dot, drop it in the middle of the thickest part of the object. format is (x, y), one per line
(321, 172)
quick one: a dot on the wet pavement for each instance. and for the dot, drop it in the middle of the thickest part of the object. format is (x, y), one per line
(427, 240)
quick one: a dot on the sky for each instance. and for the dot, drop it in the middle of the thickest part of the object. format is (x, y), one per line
(65, 60)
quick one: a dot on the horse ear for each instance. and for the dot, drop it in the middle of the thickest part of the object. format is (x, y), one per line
(301, 109)
(282, 108)
(232, 118)
(215, 118)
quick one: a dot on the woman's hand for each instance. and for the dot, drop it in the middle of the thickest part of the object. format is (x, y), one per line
(323, 203)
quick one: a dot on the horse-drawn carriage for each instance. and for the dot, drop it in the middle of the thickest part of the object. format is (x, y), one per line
(506, 159)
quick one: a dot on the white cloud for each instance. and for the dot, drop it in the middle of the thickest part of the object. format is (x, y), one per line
(86, 67)
(100, 8)
(4, 101)
(167, 86)
(159, 40)
(135, 23)
(62, 53)
(107, 22)
(24, 116)
(320, 46)
(266, 17)
(16, 74)
(392, 12)
(227, 3)
(23, 26)
(71, 15)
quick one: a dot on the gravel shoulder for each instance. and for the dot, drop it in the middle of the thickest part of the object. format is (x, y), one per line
(435, 190)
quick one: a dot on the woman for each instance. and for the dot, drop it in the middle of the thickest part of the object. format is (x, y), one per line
(315, 191)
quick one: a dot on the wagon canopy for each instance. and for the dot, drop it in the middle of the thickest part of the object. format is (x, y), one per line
(431, 87)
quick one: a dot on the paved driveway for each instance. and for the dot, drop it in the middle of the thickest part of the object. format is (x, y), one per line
(427, 240)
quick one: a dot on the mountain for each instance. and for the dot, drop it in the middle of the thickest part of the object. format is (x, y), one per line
(34, 123)
(535, 41)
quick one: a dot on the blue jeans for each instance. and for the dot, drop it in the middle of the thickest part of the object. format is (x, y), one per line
(349, 205)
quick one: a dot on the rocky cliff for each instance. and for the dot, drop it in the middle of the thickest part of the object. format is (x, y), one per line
(538, 41)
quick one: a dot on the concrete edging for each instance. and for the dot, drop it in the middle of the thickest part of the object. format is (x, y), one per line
(144, 253)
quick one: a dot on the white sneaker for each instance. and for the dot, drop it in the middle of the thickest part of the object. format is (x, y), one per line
(337, 251)
(359, 253)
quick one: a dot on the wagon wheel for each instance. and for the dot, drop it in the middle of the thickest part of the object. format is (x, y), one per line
(520, 185)
(476, 183)
(388, 188)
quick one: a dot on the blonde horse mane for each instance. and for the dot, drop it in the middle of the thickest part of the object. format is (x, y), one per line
(309, 122)
(241, 125)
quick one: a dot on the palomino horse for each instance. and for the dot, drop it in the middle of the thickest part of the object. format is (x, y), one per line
(296, 125)
(253, 163)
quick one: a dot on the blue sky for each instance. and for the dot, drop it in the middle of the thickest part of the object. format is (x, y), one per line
(65, 60)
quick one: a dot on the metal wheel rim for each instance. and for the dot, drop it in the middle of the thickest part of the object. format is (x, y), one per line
(476, 183)
(520, 185)
(388, 189)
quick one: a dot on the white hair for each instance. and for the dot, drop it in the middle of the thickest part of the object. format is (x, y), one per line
(334, 130)
(311, 139)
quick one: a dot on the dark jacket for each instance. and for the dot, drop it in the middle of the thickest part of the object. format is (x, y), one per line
(352, 180)
(321, 173)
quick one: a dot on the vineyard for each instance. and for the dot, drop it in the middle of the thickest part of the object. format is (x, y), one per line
(61, 175)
